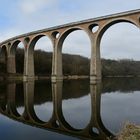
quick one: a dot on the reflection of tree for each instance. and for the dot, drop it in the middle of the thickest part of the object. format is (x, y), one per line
(11, 94)
(3, 95)
(75, 88)
(43, 90)
(121, 84)
(72, 89)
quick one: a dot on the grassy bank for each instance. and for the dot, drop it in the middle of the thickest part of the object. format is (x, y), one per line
(129, 132)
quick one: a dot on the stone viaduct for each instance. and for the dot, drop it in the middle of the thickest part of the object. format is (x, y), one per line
(57, 35)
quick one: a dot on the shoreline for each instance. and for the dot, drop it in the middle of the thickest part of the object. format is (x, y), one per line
(129, 131)
(65, 77)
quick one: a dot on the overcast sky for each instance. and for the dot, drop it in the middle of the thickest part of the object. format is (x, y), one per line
(120, 41)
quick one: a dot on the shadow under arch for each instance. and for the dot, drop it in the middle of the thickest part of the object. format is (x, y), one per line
(60, 43)
(3, 49)
(14, 46)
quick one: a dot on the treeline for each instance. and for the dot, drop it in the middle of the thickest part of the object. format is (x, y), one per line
(75, 65)
(123, 67)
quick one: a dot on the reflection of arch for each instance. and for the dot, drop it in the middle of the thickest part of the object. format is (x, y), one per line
(57, 123)
(77, 103)
(29, 101)
(11, 103)
(96, 121)
(58, 113)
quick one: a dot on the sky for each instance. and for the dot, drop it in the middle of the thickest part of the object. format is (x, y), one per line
(22, 16)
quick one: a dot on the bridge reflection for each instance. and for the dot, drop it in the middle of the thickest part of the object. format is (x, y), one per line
(57, 123)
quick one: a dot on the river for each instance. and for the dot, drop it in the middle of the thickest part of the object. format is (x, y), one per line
(68, 110)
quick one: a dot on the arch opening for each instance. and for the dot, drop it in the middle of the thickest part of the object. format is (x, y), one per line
(94, 28)
(120, 57)
(43, 50)
(19, 99)
(119, 49)
(76, 53)
(43, 105)
(20, 58)
(56, 34)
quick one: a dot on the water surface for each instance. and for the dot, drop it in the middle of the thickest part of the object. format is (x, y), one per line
(67, 110)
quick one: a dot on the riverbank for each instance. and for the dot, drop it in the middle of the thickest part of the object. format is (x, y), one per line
(129, 132)
(20, 77)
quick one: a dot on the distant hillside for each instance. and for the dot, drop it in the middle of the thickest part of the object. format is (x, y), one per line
(76, 65)
(124, 67)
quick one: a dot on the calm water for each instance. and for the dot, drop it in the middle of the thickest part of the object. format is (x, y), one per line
(67, 110)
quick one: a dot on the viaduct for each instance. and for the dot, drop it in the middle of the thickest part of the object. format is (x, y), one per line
(57, 35)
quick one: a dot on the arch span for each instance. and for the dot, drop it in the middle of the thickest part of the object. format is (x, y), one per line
(111, 23)
(43, 43)
(61, 42)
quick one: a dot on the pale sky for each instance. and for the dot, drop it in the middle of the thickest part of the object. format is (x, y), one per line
(120, 41)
